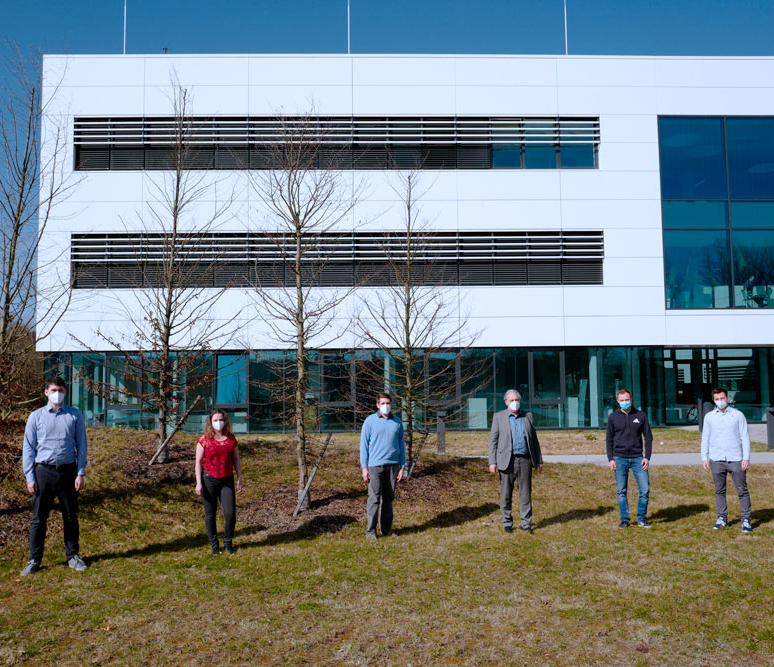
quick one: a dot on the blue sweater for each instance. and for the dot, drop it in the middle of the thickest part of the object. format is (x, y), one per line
(381, 441)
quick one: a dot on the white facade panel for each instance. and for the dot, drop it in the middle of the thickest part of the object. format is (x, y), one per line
(509, 302)
(611, 214)
(509, 184)
(713, 72)
(635, 271)
(599, 184)
(628, 128)
(95, 71)
(403, 71)
(505, 71)
(401, 100)
(299, 100)
(301, 70)
(512, 214)
(506, 100)
(613, 301)
(606, 100)
(614, 331)
(201, 100)
(519, 331)
(629, 156)
(633, 243)
(194, 71)
(732, 329)
(613, 72)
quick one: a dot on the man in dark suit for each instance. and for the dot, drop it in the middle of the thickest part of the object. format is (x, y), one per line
(513, 451)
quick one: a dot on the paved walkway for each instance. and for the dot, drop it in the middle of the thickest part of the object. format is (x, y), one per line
(757, 431)
(692, 459)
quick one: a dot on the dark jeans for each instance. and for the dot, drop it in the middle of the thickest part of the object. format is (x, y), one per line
(214, 489)
(54, 483)
(381, 487)
(720, 470)
(622, 467)
(519, 471)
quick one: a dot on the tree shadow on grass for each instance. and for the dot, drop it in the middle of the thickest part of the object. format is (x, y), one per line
(310, 529)
(575, 515)
(455, 517)
(669, 514)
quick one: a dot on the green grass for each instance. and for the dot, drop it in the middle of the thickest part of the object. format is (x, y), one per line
(449, 588)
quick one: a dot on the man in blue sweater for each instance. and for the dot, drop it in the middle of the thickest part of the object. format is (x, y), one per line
(382, 459)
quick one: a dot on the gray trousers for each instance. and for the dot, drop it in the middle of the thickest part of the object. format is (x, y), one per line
(519, 471)
(381, 488)
(720, 470)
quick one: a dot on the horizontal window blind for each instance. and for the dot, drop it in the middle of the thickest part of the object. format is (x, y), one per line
(340, 142)
(244, 259)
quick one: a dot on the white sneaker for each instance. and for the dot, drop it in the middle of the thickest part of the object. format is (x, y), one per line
(720, 523)
(77, 564)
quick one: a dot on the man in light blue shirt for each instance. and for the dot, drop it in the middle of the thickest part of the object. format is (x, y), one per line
(725, 448)
(54, 462)
(382, 459)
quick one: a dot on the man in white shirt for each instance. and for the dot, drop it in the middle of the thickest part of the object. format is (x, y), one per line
(725, 448)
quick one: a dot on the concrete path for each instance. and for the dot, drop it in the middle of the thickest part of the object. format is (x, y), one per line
(757, 431)
(693, 459)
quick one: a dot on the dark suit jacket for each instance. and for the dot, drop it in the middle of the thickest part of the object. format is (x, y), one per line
(500, 446)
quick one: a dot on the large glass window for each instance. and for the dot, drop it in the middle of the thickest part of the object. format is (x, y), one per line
(231, 382)
(695, 214)
(754, 268)
(576, 157)
(752, 214)
(698, 269)
(693, 158)
(751, 157)
(540, 157)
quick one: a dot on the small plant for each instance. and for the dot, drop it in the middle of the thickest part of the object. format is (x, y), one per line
(591, 436)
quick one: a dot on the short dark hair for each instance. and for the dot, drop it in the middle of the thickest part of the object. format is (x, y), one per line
(719, 390)
(623, 391)
(383, 394)
(56, 381)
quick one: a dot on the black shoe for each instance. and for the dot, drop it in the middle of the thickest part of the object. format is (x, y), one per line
(508, 529)
(229, 550)
(529, 530)
(215, 550)
(643, 523)
(623, 524)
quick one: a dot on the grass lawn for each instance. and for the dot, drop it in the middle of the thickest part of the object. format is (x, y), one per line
(448, 588)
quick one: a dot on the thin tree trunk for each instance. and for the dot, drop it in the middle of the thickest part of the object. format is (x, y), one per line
(301, 378)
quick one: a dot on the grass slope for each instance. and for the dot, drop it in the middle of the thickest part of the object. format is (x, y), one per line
(449, 588)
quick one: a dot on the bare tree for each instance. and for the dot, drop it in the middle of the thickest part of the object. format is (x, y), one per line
(304, 198)
(415, 321)
(169, 307)
(34, 178)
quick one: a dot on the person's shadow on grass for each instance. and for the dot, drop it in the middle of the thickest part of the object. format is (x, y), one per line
(669, 514)
(759, 517)
(574, 515)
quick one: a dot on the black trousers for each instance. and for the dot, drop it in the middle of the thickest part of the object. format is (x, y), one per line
(214, 489)
(54, 483)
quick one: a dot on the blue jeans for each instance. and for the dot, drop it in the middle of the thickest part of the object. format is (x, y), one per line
(622, 467)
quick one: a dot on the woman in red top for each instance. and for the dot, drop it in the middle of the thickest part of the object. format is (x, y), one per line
(217, 456)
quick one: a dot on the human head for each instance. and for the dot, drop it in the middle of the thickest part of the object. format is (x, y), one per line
(511, 395)
(383, 397)
(209, 431)
(56, 386)
(719, 394)
(623, 395)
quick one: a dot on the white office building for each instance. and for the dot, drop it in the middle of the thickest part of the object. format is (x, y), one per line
(601, 222)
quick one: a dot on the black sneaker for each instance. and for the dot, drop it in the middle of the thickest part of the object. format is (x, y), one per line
(643, 523)
(229, 550)
(623, 524)
(31, 567)
(215, 550)
(528, 529)
(508, 529)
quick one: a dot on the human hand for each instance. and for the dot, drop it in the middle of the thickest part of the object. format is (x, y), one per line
(400, 475)
(198, 489)
(612, 465)
(366, 476)
(540, 467)
(645, 464)
(240, 485)
(745, 465)
(705, 465)
(79, 482)
(492, 468)
(32, 487)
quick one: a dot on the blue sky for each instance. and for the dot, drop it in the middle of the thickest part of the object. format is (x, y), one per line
(650, 27)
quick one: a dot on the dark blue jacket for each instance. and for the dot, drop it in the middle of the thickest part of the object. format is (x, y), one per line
(625, 433)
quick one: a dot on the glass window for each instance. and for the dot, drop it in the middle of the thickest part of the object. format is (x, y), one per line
(695, 214)
(576, 381)
(698, 269)
(546, 373)
(693, 159)
(754, 268)
(506, 157)
(572, 157)
(231, 381)
(540, 157)
(751, 157)
(752, 214)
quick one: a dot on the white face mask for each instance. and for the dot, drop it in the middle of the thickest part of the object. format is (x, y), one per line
(514, 406)
(218, 425)
(56, 397)
(722, 404)
(385, 409)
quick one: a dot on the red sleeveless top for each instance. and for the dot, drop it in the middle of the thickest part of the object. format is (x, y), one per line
(218, 460)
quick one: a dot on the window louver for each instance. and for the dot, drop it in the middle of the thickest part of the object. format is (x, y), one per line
(123, 260)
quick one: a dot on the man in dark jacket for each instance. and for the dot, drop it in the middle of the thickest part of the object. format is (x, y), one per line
(513, 451)
(625, 430)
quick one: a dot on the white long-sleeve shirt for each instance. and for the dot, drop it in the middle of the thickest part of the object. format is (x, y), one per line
(724, 436)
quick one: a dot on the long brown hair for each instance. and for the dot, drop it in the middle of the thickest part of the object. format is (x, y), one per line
(210, 432)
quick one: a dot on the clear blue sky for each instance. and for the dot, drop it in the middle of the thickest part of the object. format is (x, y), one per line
(650, 27)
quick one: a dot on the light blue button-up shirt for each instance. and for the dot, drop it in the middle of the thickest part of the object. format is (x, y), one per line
(55, 437)
(724, 436)
(518, 435)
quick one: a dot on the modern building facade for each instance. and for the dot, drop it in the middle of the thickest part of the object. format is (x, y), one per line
(601, 222)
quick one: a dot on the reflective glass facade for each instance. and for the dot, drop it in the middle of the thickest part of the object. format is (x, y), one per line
(568, 388)
(717, 190)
